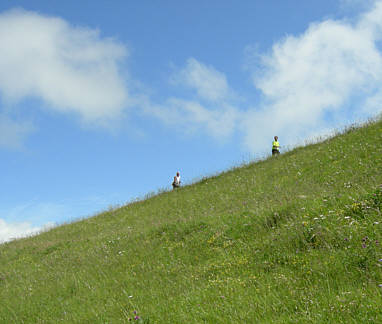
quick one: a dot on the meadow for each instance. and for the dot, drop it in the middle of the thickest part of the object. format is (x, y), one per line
(289, 239)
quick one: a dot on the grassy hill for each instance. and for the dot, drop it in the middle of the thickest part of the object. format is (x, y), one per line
(291, 239)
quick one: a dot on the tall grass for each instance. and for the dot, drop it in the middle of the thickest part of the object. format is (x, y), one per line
(290, 239)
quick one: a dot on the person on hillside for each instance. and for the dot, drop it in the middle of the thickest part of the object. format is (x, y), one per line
(275, 146)
(176, 182)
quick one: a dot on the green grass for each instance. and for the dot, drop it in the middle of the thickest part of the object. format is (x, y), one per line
(291, 239)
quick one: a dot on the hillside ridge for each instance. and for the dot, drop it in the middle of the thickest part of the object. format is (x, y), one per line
(289, 239)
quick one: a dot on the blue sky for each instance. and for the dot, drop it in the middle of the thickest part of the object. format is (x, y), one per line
(103, 101)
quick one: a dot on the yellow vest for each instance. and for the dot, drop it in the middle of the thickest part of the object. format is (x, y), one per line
(275, 145)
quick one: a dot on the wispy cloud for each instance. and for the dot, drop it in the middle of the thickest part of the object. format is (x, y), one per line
(356, 4)
(192, 117)
(39, 212)
(9, 231)
(71, 69)
(209, 83)
(208, 108)
(31, 217)
(13, 133)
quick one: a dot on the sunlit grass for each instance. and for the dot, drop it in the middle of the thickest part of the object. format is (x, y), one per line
(291, 239)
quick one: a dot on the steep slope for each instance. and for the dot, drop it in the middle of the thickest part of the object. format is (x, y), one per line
(292, 239)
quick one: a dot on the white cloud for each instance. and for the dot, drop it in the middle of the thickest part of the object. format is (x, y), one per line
(71, 69)
(9, 231)
(319, 73)
(208, 83)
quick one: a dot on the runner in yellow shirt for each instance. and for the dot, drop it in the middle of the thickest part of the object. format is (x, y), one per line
(275, 146)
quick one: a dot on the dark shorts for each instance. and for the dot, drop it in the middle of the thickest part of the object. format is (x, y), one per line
(275, 152)
(174, 185)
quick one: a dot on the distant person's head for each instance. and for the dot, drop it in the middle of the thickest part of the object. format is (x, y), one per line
(177, 174)
(276, 138)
